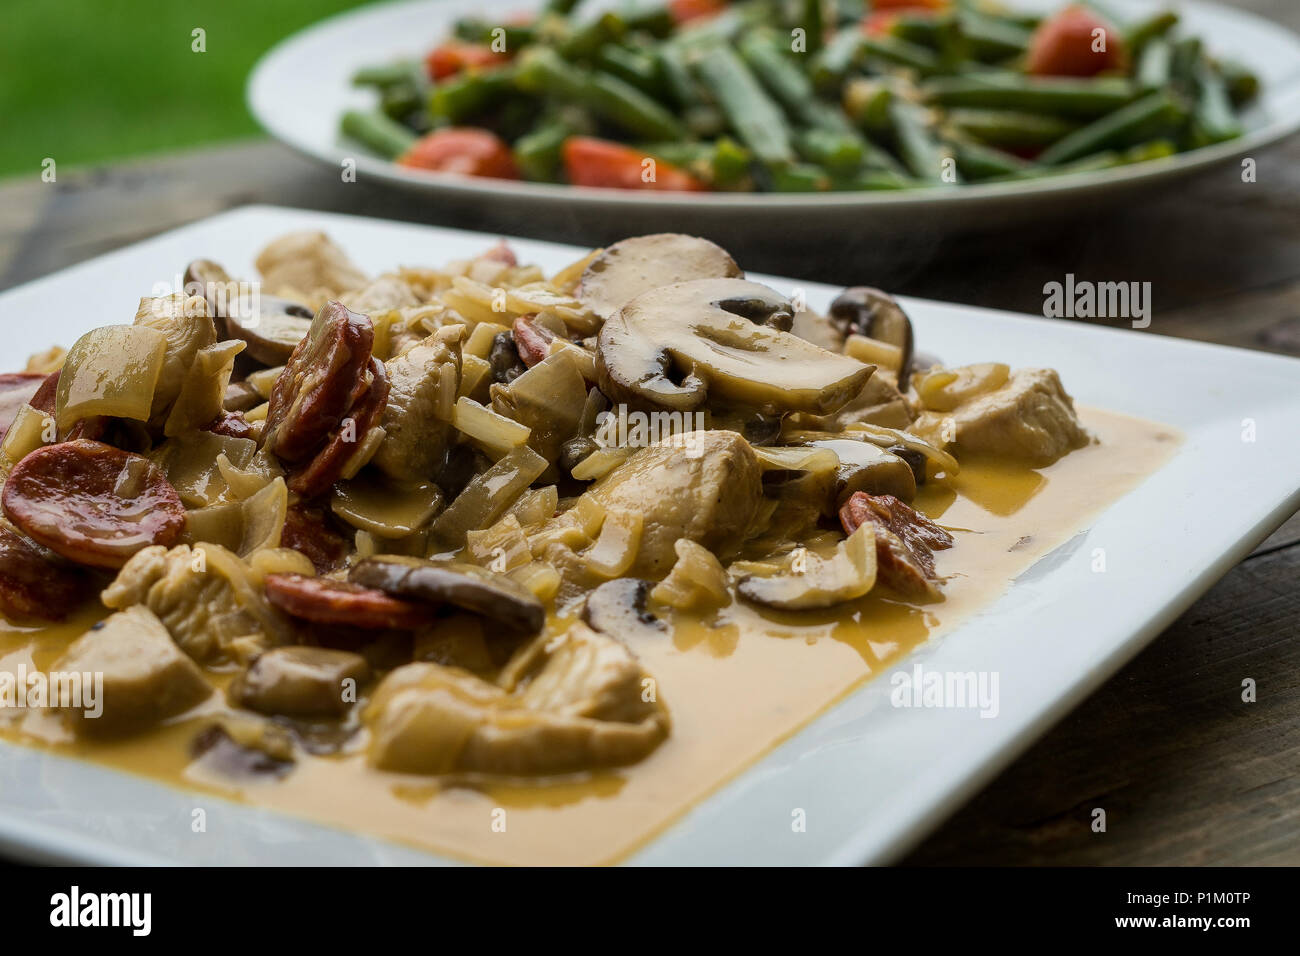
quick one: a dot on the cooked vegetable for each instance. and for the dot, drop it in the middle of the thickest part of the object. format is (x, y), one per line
(300, 682)
(628, 268)
(463, 585)
(618, 608)
(849, 573)
(831, 105)
(111, 371)
(672, 347)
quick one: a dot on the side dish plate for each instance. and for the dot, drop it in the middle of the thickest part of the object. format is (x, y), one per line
(868, 779)
(301, 87)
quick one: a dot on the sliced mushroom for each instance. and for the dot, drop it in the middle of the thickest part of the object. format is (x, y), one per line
(870, 468)
(675, 346)
(300, 682)
(812, 581)
(877, 315)
(465, 585)
(641, 263)
(271, 325)
(618, 608)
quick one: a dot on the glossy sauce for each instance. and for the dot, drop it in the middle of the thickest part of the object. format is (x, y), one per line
(777, 670)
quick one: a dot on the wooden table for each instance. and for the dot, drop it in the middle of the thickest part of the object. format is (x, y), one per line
(1188, 774)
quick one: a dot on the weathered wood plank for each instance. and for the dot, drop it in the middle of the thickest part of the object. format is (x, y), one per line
(1186, 771)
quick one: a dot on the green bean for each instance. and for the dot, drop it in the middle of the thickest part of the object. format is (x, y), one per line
(893, 50)
(467, 94)
(384, 135)
(1012, 91)
(1008, 127)
(921, 30)
(631, 66)
(730, 161)
(922, 153)
(1144, 31)
(1182, 68)
(1139, 120)
(1243, 85)
(676, 71)
(835, 151)
(834, 61)
(656, 21)
(1153, 64)
(976, 161)
(542, 70)
(992, 39)
(756, 119)
(810, 19)
(387, 74)
(562, 7)
(538, 154)
(867, 103)
(800, 178)
(583, 42)
(516, 36)
(873, 179)
(1212, 118)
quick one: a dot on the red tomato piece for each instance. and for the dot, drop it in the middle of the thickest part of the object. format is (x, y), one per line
(598, 162)
(464, 150)
(1067, 43)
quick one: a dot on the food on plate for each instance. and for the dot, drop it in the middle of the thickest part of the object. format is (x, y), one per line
(477, 527)
(756, 95)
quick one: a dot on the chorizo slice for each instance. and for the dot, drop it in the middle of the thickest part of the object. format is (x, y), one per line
(92, 503)
(329, 601)
(905, 542)
(319, 474)
(34, 587)
(312, 531)
(16, 389)
(532, 341)
(319, 382)
(231, 424)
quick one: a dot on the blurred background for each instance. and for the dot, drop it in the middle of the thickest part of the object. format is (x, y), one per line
(94, 80)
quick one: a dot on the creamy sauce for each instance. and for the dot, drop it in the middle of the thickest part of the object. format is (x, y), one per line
(778, 670)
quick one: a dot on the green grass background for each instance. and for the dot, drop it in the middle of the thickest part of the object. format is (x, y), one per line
(85, 81)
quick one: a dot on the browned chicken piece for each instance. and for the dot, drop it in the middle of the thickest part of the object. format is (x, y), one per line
(423, 382)
(206, 598)
(310, 265)
(1031, 417)
(565, 703)
(703, 486)
(147, 678)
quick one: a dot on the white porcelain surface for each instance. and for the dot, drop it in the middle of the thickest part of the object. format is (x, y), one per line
(871, 778)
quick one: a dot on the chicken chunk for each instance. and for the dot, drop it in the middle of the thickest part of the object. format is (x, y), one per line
(423, 382)
(146, 676)
(206, 597)
(300, 682)
(563, 704)
(308, 265)
(704, 486)
(385, 293)
(1030, 417)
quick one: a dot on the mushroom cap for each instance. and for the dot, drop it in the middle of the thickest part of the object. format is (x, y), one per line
(641, 263)
(465, 585)
(674, 346)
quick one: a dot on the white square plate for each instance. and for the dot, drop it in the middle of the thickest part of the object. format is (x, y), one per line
(871, 778)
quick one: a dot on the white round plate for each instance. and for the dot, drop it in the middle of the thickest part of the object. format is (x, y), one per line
(301, 87)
